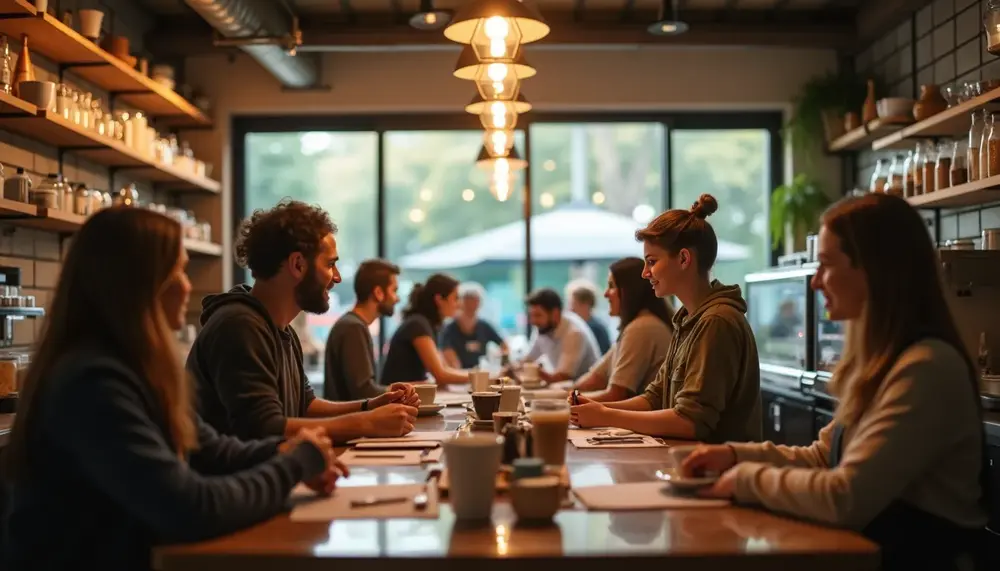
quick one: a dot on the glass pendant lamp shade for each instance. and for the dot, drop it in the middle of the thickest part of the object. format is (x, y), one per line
(469, 65)
(478, 105)
(497, 82)
(512, 162)
(502, 184)
(496, 26)
(498, 115)
(498, 142)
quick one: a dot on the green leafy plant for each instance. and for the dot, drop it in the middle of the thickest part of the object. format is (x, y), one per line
(798, 205)
(834, 92)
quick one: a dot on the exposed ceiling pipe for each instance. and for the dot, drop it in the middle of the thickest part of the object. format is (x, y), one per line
(269, 37)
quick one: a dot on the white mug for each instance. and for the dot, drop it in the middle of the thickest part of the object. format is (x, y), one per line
(530, 372)
(90, 23)
(426, 392)
(479, 380)
(41, 6)
(473, 460)
(510, 398)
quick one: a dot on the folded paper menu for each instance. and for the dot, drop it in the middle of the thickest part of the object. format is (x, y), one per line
(338, 506)
(356, 457)
(429, 435)
(640, 496)
(646, 442)
(406, 444)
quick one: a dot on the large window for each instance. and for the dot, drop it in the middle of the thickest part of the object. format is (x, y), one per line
(592, 184)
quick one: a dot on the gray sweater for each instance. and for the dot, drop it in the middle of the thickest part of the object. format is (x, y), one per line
(350, 372)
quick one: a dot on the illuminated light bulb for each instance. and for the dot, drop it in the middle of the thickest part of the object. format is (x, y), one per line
(496, 28)
(431, 18)
(497, 71)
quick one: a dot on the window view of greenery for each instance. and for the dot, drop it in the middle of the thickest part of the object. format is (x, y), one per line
(734, 167)
(441, 217)
(593, 185)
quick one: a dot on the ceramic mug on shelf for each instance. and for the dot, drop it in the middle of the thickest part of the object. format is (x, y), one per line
(90, 24)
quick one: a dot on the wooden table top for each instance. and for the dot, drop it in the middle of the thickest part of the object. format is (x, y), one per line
(743, 538)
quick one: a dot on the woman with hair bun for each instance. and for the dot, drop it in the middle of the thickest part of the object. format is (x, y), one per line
(708, 387)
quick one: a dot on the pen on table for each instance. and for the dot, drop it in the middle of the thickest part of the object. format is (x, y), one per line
(576, 397)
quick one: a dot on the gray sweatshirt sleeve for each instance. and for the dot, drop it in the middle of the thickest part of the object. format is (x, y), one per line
(356, 365)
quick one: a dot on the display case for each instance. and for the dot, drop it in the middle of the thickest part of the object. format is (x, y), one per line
(781, 313)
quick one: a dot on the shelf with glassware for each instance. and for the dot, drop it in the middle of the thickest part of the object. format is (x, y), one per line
(52, 128)
(952, 122)
(55, 220)
(973, 193)
(862, 137)
(72, 51)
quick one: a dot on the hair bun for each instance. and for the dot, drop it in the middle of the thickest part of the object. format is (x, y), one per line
(705, 206)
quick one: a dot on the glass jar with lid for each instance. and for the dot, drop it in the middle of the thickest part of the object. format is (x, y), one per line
(6, 69)
(928, 162)
(880, 176)
(975, 140)
(991, 21)
(896, 175)
(908, 172)
(984, 146)
(992, 166)
(48, 192)
(959, 166)
(127, 196)
(942, 167)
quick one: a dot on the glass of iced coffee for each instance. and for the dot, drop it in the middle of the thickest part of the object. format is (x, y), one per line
(549, 430)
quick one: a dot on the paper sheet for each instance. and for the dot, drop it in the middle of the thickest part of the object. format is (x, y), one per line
(647, 442)
(640, 496)
(409, 444)
(310, 507)
(355, 457)
(416, 435)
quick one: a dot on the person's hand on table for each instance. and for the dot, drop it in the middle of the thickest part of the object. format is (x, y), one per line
(714, 459)
(391, 420)
(724, 487)
(409, 394)
(394, 394)
(588, 413)
(326, 482)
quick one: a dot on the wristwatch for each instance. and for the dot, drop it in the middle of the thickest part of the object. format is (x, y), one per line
(364, 405)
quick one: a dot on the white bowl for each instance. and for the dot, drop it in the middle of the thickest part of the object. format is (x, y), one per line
(895, 107)
(41, 94)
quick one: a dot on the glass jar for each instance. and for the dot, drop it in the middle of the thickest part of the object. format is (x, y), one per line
(942, 167)
(82, 204)
(992, 148)
(76, 113)
(928, 161)
(896, 175)
(127, 196)
(991, 21)
(975, 140)
(959, 167)
(908, 173)
(6, 69)
(984, 148)
(880, 176)
(46, 194)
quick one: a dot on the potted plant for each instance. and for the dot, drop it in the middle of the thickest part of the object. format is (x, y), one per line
(796, 208)
(819, 107)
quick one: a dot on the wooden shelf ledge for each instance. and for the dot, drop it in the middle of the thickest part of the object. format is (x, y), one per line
(862, 137)
(952, 122)
(51, 38)
(973, 193)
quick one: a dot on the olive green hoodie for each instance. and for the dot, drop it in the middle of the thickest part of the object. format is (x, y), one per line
(712, 370)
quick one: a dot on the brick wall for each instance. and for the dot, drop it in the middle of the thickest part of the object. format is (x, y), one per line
(38, 253)
(943, 43)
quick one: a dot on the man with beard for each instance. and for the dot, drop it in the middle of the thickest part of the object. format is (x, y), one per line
(351, 369)
(247, 359)
(561, 337)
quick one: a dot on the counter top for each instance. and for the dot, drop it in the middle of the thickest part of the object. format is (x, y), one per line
(991, 421)
(732, 538)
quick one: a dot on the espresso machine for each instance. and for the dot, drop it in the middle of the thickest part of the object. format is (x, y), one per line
(14, 306)
(972, 290)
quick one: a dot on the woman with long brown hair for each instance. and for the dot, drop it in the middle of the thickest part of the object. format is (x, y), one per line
(644, 333)
(107, 458)
(903, 461)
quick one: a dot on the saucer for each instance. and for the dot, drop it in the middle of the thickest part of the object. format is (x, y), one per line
(686, 483)
(429, 409)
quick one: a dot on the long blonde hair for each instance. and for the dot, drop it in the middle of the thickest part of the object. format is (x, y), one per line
(883, 235)
(108, 298)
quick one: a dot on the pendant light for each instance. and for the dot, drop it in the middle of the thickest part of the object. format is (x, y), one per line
(668, 23)
(428, 18)
(496, 28)
(511, 162)
(478, 105)
(498, 142)
(470, 65)
(502, 185)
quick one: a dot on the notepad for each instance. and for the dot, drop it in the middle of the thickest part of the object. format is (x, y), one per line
(356, 457)
(338, 506)
(437, 436)
(640, 496)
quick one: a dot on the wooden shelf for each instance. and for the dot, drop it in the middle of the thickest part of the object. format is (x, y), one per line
(202, 248)
(862, 137)
(952, 122)
(53, 220)
(51, 38)
(51, 128)
(970, 194)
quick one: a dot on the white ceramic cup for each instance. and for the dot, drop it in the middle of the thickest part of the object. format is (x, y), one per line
(427, 393)
(41, 6)
(90, 23)
(473, 460)
(479, 381)
(41, 94)
(510, 398)
(529, 372)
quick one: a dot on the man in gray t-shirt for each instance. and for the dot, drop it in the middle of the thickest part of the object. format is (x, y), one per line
(562, 337)
(351, 370)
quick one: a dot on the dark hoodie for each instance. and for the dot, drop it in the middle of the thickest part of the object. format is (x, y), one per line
(712, 370)
(249, 372)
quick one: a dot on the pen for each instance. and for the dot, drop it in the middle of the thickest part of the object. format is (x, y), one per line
(576, 397)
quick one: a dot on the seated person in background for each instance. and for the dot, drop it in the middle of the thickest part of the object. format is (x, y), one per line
(708, 387)
(904, 461)
(412, 351)
(582, 299)
(464, 339)
(562, 337)
(107, 459)
(351, 368)
(644, 335)
(248, 361)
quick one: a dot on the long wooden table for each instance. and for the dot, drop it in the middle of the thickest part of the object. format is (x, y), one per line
(694, 539)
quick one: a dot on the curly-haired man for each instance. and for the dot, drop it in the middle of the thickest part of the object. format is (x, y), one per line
(247, 359)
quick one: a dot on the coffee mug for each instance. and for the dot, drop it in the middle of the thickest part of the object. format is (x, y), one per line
(479, 381)
(473, 460)
(530, 372)
(510, 398)
(427, 393)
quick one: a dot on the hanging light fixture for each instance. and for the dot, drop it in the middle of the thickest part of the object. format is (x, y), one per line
(428, 18)
(502, 184)
(668, 23)
(498, 142)
(469, 64)
(496, 27)
(499, 115)
(478, 105)
(511, 162)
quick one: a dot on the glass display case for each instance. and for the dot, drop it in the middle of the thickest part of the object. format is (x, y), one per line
(829, 337)
(781, 315)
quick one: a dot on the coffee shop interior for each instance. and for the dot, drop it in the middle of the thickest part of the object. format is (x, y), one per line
(516, 155)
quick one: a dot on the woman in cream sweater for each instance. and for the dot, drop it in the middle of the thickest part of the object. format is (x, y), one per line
(903, 461)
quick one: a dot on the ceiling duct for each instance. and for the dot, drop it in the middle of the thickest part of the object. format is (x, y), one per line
(268, 34)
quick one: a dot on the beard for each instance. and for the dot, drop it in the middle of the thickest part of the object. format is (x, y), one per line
(386, 309)
(310, 293)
